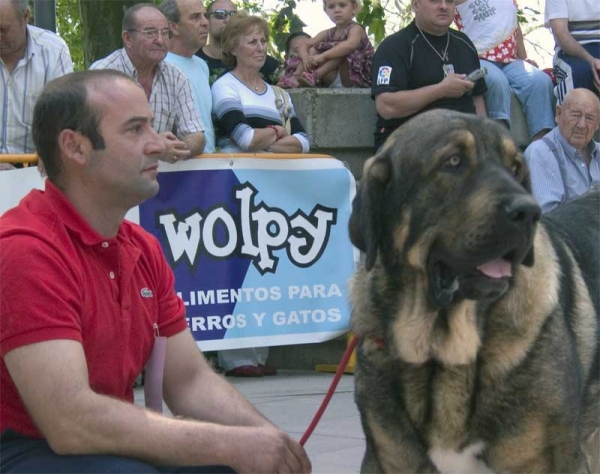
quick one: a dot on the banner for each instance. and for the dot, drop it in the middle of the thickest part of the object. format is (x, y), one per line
(259, 247)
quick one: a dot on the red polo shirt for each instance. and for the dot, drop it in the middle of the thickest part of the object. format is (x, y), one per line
(60, 279)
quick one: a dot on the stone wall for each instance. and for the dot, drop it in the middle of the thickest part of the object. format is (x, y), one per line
(341, 123)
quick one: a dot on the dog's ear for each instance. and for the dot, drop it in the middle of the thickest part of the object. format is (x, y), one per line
(365, 221)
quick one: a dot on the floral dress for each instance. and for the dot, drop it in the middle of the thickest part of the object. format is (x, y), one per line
(359, 60)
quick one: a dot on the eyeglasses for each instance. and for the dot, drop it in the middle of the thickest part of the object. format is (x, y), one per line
(152, 33)
(222, 14)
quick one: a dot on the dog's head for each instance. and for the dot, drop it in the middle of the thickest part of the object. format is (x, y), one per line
(448, 195)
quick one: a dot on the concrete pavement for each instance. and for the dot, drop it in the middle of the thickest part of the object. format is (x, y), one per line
(290, 400)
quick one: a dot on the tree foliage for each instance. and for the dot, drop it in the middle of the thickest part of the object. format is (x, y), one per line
(92, 28)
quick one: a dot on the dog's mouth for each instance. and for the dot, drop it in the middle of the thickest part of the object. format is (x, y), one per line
(485, 279)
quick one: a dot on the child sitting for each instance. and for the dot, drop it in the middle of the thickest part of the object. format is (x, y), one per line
(293, 64)
(341, 56)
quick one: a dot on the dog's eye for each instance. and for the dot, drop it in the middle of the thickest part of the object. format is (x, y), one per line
(453, 162)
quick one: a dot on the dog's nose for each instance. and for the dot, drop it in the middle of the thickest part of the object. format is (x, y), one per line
(522, 210)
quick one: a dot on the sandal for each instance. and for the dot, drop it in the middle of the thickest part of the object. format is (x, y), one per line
(309, 79)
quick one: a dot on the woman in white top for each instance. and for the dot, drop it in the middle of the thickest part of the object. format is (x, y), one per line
(250, 113)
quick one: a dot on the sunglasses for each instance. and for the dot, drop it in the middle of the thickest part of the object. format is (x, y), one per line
(222, 14)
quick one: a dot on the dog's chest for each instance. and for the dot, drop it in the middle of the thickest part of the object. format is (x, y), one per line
(465, 462)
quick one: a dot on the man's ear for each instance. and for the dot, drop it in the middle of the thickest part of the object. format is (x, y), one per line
(74, 147)
(126, 37)
(174, 28)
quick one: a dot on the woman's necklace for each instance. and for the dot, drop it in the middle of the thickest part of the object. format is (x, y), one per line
(256, 89)
(446, 66)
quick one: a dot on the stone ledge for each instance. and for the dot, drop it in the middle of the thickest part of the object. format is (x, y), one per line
(341, 122)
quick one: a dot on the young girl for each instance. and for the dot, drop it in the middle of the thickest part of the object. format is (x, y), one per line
(293, 64)
(341, 56)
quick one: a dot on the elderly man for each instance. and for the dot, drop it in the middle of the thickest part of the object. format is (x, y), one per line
(575, 25)
(423, 67)
(189, 24)
(87, 297)
(145, 33)
(566, 162)
(219, 12)
(29, 58)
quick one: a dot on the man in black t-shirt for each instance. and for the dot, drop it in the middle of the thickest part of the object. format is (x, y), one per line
(423, 67)
(219, 12)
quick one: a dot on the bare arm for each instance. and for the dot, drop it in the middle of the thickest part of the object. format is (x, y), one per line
(521, 51)
(262, 139)
(195, 143)
(566, 42)
(287, 144)
(343, 48)
(309, 43)
(187, 376)
(408, 102)
(52, 380)
(480, 106)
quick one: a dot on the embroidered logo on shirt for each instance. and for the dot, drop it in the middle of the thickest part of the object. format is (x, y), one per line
(146, 293)
(384, 74)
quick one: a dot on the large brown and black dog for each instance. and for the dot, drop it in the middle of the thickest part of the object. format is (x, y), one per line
(478, 320)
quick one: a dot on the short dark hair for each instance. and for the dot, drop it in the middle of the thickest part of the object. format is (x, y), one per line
(211, 4)
(291, 37)
(170, 9)
(64, 105)
(237, 26)
(129, 21)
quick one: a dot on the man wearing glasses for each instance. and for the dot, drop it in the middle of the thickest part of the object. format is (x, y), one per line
(219, 12)
(145, 33)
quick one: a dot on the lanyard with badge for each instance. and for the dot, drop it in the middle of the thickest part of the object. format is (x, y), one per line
(447, 67)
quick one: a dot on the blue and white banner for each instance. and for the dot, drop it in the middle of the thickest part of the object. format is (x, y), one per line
(259, 247)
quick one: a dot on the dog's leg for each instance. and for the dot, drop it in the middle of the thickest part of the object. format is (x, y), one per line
(393, 444)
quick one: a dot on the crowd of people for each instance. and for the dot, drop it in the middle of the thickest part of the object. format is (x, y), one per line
(193, 79)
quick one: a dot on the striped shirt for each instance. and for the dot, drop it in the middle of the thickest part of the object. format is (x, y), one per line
(558, 171)
(171, 99)
(240, 110)
(46, 57)
(583, 17)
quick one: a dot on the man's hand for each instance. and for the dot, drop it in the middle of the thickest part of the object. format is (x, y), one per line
(267, 449)
(6, 166)
(455, 85)
(175, 149)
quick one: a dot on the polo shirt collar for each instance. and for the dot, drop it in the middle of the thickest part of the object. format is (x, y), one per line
(70, 217)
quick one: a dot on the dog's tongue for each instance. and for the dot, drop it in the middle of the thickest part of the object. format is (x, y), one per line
(496, 268)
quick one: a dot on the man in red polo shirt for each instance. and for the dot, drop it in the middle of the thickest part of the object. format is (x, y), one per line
(84, 294)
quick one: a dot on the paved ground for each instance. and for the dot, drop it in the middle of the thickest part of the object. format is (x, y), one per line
(291, 398)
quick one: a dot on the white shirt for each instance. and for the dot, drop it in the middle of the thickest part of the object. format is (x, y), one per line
(583, 16)
(46, 57)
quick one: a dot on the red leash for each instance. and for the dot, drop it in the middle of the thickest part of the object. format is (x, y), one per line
(329, 394)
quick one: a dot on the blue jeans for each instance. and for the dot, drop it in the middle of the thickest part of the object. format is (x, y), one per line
(20, 454)
(532, 87)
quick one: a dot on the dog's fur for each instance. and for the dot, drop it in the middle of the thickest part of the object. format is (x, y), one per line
(478, 321)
